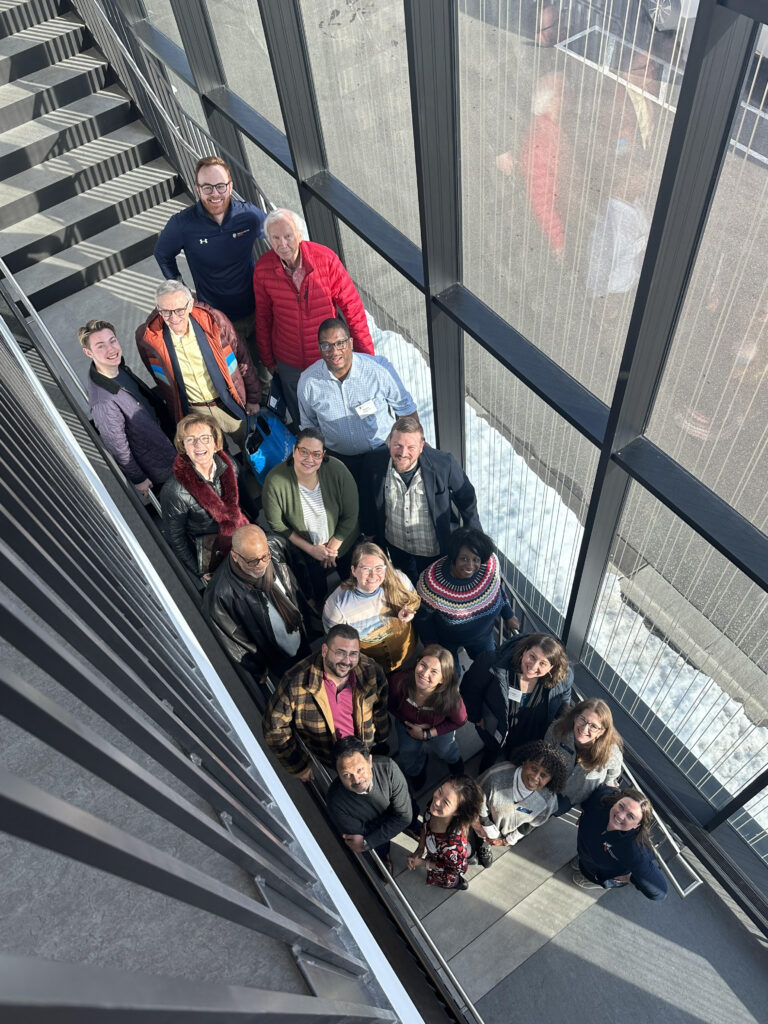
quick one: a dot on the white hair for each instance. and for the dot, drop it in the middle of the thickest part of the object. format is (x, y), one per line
(299, 226)
(170, 287)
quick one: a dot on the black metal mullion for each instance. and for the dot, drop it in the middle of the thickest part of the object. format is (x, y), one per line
(41, 717)
(721, 48)
(292, 71)
(431, 36)
(757, 785)
(30, 813)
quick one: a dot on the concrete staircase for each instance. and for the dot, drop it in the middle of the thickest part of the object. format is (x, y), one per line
(85, 186)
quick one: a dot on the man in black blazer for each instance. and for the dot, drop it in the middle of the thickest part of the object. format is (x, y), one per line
(406, 490)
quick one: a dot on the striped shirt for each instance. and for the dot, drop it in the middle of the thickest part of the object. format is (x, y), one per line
(409, 525)
(315, 517)
(353, 414)
(366, 612)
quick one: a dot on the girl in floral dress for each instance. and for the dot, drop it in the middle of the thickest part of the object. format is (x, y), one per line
(443, 847)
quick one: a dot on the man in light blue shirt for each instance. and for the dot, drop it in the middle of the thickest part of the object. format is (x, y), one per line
(350, 397)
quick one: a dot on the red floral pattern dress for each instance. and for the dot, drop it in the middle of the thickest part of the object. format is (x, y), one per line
(448, 854)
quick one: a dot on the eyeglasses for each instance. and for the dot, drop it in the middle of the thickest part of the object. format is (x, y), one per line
(253, 561)
(200, 439)
(307, 454)
(166, 314)
(589, 726)
(221, 188)
(331, 346)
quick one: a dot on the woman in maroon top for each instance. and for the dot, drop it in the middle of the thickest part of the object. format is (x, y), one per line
(428, 709)
(443, 848)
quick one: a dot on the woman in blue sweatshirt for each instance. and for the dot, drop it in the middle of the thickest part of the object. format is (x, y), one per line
(614, 846)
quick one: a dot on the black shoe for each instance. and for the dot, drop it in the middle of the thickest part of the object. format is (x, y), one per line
(461, 883)
(484, 856)
(456, 768)
(416, 782)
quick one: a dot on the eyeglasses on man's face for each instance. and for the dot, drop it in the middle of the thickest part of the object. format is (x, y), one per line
(331, 346)
(166, 314)
(221, 187)
(307, 454)
(253, 562)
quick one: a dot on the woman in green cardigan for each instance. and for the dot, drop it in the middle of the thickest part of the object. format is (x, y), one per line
(311, 500)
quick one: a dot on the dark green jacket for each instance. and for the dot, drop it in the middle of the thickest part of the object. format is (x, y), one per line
(282, 504)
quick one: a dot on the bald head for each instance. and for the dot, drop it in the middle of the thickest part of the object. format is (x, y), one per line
(250, 551)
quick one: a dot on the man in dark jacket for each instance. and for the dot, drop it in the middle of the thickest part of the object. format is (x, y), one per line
(255, 606)
(198, 361)
(217, 236)
(338, 692)
(406, 490)
(369, 802)
(126, 413)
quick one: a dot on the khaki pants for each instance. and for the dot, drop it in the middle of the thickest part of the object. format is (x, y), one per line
(230, 425)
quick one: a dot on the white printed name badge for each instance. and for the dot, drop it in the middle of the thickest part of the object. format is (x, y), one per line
(515, 695)
(366, 409)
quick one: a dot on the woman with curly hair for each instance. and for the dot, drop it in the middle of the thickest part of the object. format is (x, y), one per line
(591, 747)
(443, 847)
(513, 694)
(428, 709)
(380, 602)
(614, 843)
(462, 596)
(518, 796)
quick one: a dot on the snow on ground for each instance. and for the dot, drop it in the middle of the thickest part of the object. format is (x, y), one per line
(541, 536)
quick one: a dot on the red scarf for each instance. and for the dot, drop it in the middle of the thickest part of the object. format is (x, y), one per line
(223, 510)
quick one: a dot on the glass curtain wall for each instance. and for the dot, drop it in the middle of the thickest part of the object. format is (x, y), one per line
(566, 115)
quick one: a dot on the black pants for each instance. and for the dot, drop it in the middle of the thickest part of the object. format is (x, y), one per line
(412, 565)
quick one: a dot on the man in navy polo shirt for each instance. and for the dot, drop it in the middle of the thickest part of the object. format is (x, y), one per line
(217, 235)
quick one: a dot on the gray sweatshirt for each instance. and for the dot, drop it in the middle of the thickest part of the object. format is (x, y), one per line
(581, 782)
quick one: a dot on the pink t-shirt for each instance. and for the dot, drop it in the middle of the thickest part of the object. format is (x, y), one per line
(341, 705)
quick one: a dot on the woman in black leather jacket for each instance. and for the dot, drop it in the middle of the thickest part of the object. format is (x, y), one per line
(200, 500)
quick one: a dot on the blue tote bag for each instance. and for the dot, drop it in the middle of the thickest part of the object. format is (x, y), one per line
(268, 443)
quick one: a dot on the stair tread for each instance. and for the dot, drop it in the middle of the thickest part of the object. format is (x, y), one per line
(59, 168)
(50, 124)
(29, 38)
(104, 244)
(51, 76)
(73, 209)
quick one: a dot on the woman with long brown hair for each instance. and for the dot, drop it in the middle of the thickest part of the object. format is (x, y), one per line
(380, 602)
(428, 709)
(591, 747)
(444, 847)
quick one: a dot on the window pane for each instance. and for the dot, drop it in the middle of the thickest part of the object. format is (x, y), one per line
(751, 822)
(533, 474)
(565, 118)
(360, 69)
(711, 413)
(243, 51)
(679, 638)
(397, 321)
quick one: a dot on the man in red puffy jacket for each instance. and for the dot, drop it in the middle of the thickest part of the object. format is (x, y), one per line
(298, 285)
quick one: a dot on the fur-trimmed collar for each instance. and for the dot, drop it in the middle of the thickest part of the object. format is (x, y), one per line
(224, 510)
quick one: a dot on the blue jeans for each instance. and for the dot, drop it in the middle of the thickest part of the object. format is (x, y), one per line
(412, 754)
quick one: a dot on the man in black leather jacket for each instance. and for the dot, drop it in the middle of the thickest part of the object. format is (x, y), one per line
(255, 606)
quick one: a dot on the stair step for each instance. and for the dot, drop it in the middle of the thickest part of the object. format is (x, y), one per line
(37, 47)
(76, 219)
(53, 87)
(16, 15)
(75, 172)
(97, 257)
(55, 133)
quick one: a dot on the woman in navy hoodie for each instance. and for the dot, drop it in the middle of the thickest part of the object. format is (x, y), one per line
(614, 845)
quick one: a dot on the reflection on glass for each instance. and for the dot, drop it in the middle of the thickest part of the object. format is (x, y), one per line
(360, 69)
(396, 319)
(533, 474)
(566, 112)
(679, 638)
(711, 413)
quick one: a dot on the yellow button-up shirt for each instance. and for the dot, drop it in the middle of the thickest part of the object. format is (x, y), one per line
(197, 380)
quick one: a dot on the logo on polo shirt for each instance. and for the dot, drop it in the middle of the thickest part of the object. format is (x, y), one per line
(239, 234)
(203, 241)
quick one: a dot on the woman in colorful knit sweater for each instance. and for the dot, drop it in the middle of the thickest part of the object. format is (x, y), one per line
(462, 596)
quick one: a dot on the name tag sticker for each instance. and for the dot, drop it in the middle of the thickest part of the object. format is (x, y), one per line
(366, 409)
(515, 695)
